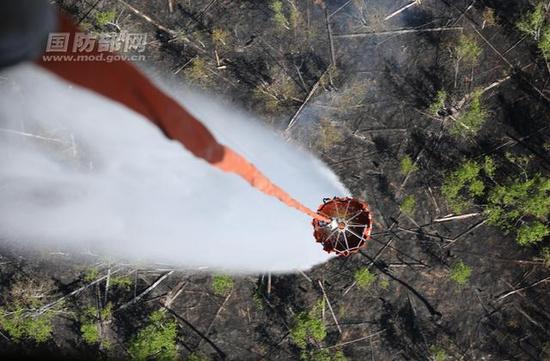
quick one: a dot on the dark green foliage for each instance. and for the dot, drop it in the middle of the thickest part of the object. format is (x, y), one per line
(308, 327)
(438, 353)
(21, 317)
(520, 160)
(105, 17)
(279, 17)
(21, 324)
(309, 330)
(384, 283)
(221, 285)
(408, 205)
(525, 200)
(322, 355)
(460, 273)
(533, 232)
(407, 165)
(528, 200)
(489, 166)
(121, 281)
(339, 356)
(468, 49)
(472, 119)
(91, 275)
(364, 278)
(91, 322)
(258, 299)
(535, 24)
(461, 185)
(438, 103)
(544, 42)
(532, 22)
(157, 340)
(90, 332)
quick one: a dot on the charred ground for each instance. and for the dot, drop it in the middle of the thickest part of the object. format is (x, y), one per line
(351, 86)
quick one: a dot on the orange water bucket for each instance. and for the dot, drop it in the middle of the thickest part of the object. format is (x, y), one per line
(349, 227)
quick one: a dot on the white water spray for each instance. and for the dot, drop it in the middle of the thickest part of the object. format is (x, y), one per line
(79, 172)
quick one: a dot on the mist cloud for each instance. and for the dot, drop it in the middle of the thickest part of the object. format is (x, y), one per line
(80, 172)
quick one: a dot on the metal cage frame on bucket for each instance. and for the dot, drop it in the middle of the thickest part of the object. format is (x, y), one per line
(349, 228)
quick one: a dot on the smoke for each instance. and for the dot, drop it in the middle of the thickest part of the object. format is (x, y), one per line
(81, 173)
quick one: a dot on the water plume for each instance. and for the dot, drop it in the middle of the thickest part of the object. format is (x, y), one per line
(81, 173)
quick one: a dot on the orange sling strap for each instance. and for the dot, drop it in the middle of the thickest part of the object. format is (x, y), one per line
(121, 81)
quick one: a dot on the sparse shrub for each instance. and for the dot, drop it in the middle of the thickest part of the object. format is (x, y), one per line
(29, 292)
(384, 283)
(489, 17)
(468, 49)
(156, 340)
(90, 332)
(544, 43)
(197, 357)
(524, 200)
(85, 26)
(546, 351)
(21, 324)
(317, 355)
(472, 119)
(408, 205)
(20, 317)
(533, 232)
(279, 17)
(121, 281)
(294, 16)
(489, 166)
(105, 17)
(350, 95)
(438, 103)
(373, 18)
(520, 160)
(460, 273)
(407, 165)
(198, 72)
(545, 254)
(521, 199)
(438, 353)
(332, 73)
(91, 275)
(282, 89)
(322, 355)
(258, 299)
(270, 101)
(339, 356)
(91, 322)
(221, 285)
(283, 86)
(463, 181)
(329, 135)
(308, 326)
(220, 37)
(364, 278)
(532, 22)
